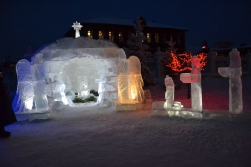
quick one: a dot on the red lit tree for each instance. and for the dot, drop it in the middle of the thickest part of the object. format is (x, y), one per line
(181, 62)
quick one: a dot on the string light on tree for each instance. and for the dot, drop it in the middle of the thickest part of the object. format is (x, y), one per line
(182, 62)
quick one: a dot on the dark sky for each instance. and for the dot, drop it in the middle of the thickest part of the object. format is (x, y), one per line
(33, 23)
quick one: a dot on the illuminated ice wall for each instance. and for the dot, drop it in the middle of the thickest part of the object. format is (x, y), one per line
(73, 66)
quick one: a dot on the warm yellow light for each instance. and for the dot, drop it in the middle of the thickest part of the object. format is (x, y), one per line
(133, 93)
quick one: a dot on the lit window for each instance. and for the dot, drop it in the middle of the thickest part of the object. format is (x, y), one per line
(89, 34)
(101, 35)
(156, 38)
(148, 37)
(111, 36)
(120, 37)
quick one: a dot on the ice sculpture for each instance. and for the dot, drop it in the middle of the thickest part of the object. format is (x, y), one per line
(195, 79)
(56, 89)
(75, 65)
(234, 73)
(77, 26)
(82, 80)
(130, 81)
(40, 96)
(25, 89)
(169, 94)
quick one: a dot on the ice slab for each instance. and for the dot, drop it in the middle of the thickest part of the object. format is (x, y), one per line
(128, 107)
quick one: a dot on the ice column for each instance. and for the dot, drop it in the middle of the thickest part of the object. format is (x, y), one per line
(25, 89)
(40, 96)
(234, 73)
(195, 79)
(136, 81)
(169, 94)
(130, 81)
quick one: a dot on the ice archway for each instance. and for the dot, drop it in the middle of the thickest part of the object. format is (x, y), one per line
(75, 65)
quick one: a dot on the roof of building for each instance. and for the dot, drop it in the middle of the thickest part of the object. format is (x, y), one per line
(122, 21)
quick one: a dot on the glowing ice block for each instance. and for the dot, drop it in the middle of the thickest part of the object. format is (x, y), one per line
(130, 81)
(234, 73)
(25, 86)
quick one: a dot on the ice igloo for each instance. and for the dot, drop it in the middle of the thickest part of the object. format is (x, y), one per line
(67, 67)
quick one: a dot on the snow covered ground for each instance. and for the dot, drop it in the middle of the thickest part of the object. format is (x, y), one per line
(88, 136)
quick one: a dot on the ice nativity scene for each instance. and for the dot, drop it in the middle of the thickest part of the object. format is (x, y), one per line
(79, 70)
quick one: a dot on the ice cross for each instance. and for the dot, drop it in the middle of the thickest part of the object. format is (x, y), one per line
(195, 79)
(77, 26)
(234, 72)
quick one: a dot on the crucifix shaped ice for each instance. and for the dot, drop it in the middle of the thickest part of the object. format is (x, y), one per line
(195, 79)
(234, 73)
(77, 26)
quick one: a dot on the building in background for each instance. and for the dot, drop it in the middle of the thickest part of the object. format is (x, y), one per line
(118, 30)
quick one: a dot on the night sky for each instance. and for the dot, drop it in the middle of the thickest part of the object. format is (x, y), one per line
(33, 23)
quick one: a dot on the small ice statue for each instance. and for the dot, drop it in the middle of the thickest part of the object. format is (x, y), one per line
(195, 79)
(235, 86)
(56, 89)
(169, 95)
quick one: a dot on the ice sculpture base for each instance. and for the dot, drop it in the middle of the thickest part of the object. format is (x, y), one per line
(158, 110)
(128, 107)
(33, 116)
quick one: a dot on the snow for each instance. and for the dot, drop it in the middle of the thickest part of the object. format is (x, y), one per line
(86, 135)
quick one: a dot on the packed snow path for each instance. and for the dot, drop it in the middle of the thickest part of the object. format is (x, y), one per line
(91, 137)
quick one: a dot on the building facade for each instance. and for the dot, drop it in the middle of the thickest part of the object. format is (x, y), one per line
(118, 30)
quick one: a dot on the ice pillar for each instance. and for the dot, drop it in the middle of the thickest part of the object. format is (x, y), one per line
(25, 88)
(130, 82)
(234, 73)
(195, 79)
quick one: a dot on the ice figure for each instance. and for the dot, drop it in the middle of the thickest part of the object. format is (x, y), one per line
(25, 89)
(56, 89)
(130, 81)
(77, 26)
(169, 94)
(234, 73)
(195, 79)
(82, 80)
(40, 96)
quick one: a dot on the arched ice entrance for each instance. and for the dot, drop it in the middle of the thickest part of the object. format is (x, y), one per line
(75, 65)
